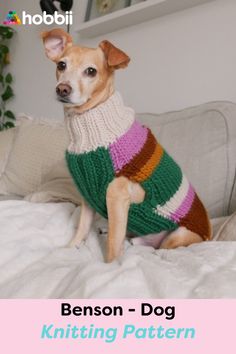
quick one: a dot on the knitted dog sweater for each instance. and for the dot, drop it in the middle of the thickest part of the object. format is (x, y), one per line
(107, 142)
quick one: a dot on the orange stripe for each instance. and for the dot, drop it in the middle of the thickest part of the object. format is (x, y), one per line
(140, 159)
(151, 164)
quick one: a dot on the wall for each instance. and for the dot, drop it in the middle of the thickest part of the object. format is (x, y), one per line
(179, 60)
(34, 75)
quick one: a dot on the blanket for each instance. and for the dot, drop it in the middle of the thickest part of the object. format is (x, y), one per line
(36, 263)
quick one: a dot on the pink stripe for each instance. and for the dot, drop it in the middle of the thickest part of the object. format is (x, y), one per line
(128, 145)
(185, 206)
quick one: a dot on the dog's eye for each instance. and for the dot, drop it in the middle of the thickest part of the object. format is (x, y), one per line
(61, 66)
(90, 72)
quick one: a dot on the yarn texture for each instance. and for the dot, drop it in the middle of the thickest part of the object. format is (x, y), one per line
(107, 142)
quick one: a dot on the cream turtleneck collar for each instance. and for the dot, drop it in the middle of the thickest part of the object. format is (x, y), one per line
(99, 126)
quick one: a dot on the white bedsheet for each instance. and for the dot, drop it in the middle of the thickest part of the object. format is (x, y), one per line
(35, 263)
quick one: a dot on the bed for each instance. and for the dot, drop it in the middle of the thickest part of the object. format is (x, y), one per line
(40, 207)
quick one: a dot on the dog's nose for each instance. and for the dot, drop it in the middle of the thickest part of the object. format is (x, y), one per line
(63, 90)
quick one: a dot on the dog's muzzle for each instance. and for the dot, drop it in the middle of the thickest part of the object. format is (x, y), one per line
(63, 92)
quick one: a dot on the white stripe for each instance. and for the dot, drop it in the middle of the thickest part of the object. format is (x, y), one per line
(175, 201)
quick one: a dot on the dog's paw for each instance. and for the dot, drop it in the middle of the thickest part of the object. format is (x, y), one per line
(74, 244)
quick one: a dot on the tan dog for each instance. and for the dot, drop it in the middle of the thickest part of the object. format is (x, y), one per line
(85, 80)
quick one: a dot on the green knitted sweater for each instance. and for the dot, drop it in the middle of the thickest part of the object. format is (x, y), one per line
(107, 142)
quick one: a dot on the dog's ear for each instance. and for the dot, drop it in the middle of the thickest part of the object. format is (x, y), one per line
(55, 43)
(115, 57)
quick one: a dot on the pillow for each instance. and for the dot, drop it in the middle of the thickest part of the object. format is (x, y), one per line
(38, 148)
(227, 232)
(57, 186)
(6, 141)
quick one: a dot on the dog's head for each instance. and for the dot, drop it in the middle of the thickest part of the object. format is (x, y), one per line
(84, 75)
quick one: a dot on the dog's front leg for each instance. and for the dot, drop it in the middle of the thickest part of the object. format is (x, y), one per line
(120, 194)
(86, 219)
(118, 203)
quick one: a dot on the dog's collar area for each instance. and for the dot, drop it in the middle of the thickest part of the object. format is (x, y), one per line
(100, 126)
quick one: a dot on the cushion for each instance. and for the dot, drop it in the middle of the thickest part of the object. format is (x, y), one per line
(6, 142)
(227, 231)
(57, 185)
(38, 148)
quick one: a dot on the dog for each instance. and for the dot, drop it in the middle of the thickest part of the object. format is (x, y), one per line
(120, 169)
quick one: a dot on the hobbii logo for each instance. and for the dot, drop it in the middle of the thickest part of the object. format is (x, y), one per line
(37, 19)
